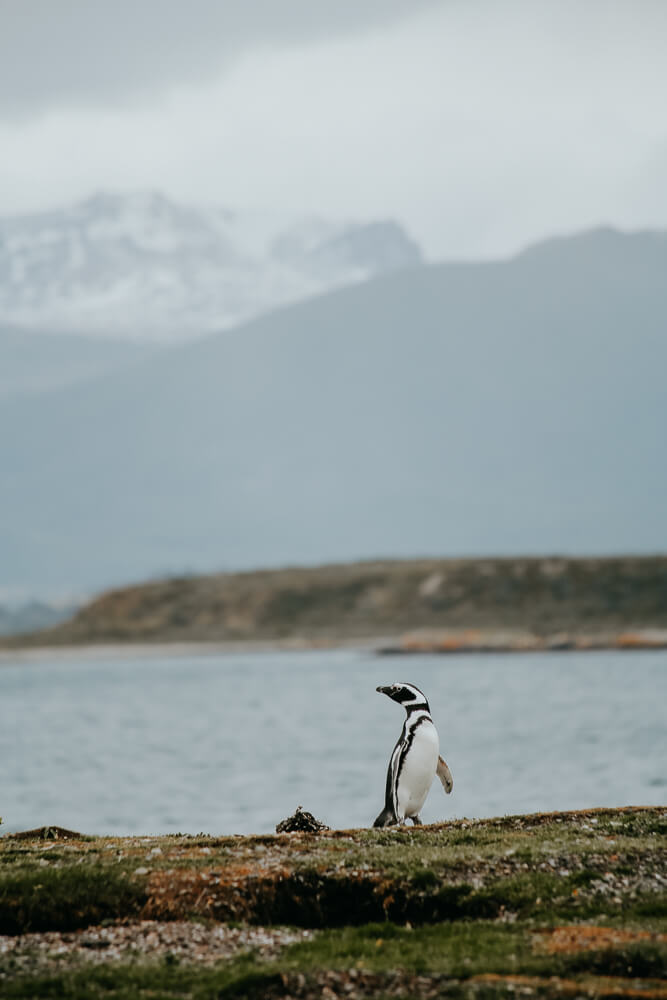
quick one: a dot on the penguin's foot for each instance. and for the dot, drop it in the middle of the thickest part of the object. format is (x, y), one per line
(386, 818)
(416, 820)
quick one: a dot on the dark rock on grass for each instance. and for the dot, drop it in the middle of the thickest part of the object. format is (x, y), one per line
(300, 822)
(47, 833)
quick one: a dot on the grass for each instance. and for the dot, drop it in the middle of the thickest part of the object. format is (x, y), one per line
(458, 901)
(66, 898)
(457, 949)
(158, 980)
(452, 951)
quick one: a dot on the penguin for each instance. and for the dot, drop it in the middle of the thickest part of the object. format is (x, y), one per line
(415, 761)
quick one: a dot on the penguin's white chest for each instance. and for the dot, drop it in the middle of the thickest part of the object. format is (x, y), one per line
(418, 770)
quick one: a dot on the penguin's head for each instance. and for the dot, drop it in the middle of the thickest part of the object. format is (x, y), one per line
(405, 694)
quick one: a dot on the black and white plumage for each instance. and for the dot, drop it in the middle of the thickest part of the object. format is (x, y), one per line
(415, 761)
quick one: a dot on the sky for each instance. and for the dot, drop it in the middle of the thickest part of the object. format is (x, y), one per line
(481, 125)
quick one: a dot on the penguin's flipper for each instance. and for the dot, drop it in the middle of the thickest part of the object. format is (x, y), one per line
(445, 775)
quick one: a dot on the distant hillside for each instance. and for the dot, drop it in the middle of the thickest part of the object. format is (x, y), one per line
(333, 603)
(501, 407)
(32, 363)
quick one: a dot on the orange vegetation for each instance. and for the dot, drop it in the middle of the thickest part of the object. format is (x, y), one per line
(564, 940)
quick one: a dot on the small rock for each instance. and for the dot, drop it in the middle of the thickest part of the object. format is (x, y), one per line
(300, 822)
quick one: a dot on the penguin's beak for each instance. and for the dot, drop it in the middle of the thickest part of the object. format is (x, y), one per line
(384, 690)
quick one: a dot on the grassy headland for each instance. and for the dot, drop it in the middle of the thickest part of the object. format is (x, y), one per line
(414, 604)
(557, 904)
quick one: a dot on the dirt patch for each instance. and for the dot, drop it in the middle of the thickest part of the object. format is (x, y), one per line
(567, 940)
(313, 899)
(261, 895)
(235, 892)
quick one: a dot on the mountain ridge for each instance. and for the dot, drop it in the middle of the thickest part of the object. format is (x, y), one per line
(146, 267)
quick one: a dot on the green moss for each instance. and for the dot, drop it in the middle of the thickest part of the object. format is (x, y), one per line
(641, 959)
(651, 907)
(65, 898)
(425, 879)
(158, 980)
(455, 949)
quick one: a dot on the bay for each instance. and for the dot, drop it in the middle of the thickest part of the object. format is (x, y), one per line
(232, 742)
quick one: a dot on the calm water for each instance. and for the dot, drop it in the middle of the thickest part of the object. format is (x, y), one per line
(233, 743)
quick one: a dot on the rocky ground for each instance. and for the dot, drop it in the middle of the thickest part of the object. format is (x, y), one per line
(563, 904)
(130, 940)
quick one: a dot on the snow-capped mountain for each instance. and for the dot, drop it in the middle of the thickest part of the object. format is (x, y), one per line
(146, 267)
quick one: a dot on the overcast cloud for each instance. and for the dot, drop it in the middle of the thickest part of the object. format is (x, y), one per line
(481, 125)
(74, 52)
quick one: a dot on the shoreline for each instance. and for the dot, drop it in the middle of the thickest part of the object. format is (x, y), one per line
(190, 647)
(446, 643)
